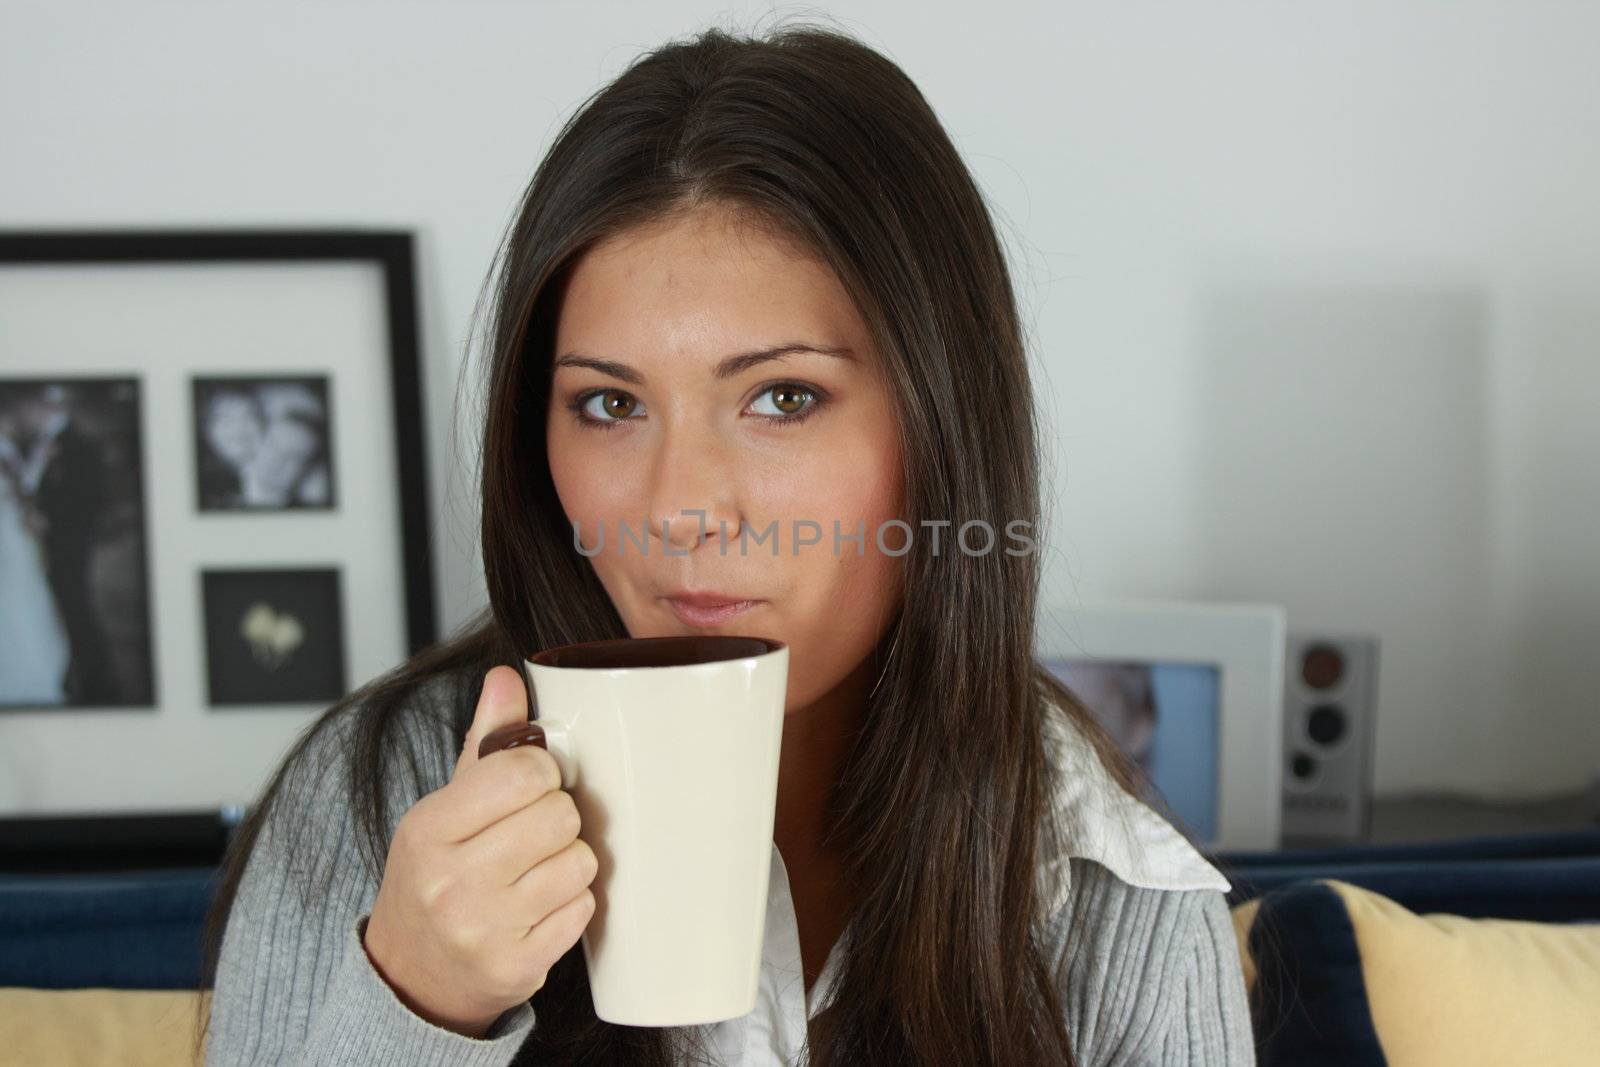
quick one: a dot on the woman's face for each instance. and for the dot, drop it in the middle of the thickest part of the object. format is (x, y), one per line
(285, 447)
(668, 426)
(233, 427)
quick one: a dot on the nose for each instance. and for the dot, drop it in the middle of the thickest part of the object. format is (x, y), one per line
(694, 490)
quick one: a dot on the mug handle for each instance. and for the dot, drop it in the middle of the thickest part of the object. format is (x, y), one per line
(550, 736)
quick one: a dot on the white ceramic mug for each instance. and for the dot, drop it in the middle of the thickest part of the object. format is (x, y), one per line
(669, 747)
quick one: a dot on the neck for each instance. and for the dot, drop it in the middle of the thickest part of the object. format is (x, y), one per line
(816, 740)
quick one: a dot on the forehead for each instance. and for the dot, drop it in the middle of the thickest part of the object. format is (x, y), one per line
(702, 284)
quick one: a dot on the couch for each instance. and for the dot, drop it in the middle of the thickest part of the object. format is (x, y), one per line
(103, 966)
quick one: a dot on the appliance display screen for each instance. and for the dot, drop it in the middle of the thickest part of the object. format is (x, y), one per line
(1166, 716)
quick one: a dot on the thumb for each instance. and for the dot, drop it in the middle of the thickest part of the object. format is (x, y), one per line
(502, 701)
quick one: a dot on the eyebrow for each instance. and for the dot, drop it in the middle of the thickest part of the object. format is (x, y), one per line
(728, 368)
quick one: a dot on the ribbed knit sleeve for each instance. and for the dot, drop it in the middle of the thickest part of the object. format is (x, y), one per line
(1150, 977)
(294, 984)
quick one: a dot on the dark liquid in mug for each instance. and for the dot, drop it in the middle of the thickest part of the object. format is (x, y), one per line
(672, 651)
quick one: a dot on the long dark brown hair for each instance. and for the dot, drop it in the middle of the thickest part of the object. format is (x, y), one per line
(941, 824)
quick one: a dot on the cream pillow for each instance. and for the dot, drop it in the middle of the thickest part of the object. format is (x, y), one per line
(95, 1027)
(1439, 990)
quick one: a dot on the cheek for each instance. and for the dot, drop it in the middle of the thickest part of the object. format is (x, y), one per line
(590, 487)
(844, 598)
(860, 481)
(597, 492)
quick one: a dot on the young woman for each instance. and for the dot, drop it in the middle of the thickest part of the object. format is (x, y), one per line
(752, 285)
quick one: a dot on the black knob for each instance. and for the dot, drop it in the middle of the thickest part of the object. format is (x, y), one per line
(1326, 724)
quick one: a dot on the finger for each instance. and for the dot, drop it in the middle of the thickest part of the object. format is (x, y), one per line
(507, 849)
(564, 922)
(557, 882)
(554, 935)
(486, 791)
(503, 700)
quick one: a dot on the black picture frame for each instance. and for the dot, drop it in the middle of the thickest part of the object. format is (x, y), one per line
(392, 253)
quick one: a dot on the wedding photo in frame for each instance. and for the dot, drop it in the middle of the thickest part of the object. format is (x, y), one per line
(211, 457)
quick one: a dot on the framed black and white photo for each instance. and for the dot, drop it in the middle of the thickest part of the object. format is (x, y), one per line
(263, 443)
(273, 636)
(74, 570)
(213, 507)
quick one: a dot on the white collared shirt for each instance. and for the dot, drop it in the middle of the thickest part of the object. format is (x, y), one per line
(1102, 821)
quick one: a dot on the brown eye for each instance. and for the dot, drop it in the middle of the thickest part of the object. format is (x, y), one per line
(786, 400)
(606, 406)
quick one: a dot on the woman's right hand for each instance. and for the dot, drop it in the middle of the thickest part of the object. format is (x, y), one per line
(486, 884)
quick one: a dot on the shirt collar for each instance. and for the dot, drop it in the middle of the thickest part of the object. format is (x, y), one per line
(1102, 821)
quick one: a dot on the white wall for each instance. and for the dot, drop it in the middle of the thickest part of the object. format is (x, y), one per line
(1314, 289)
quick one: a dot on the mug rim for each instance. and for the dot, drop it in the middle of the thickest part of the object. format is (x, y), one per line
(543, 657)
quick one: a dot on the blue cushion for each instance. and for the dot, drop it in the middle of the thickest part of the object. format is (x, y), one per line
(137, 930)
(1542, 845)
(1544, 877)
(1543, 890)
(142, 930)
